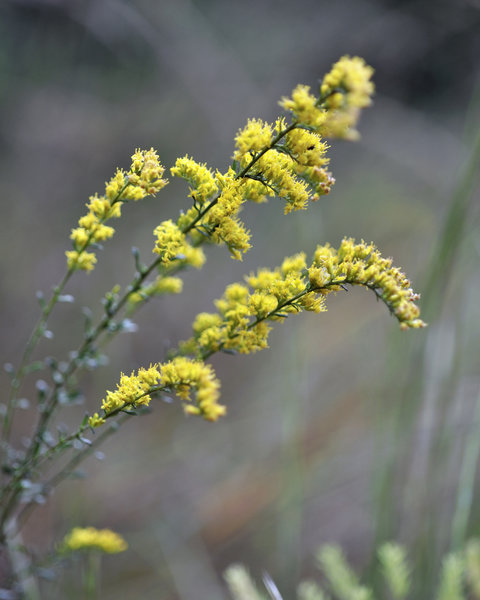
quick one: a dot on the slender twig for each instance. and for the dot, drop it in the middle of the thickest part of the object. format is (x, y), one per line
(39, 330)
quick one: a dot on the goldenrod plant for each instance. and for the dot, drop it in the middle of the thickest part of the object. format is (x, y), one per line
(286, 159)
(458, 577)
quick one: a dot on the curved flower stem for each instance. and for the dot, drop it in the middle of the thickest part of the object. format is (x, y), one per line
(32, 342)
(269, 315)
(291, 302)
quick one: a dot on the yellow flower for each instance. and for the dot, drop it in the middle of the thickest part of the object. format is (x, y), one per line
(348, 84)
(95, 421)
(362, 264)
(253, 138)
(185, 376)
(345, 90)
(133, 390)
(199, 176)
(304, 107)
(143, 179)
(170, 242)
(89, 538)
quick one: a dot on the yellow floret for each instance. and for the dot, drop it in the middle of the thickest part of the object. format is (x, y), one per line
(170, 242)
(89, 538)
(96, 420)
(198, 176)
(304, 107)
(350, 77)
(186, 376)
(84, 261)
(254, 137)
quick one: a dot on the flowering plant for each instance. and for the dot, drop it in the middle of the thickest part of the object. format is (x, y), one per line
(286, 159)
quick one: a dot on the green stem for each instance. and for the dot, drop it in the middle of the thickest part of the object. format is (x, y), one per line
(134, 287)
(38, 332)
(51, 403)
(32, 342)
(91, 576)
(71, 465)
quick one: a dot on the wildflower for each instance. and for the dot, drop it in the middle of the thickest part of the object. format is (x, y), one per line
(348, 84)
(345, 90)
(161, 285)
(143, 179)
(253, 138)
(96, 421)
(133, 390)
(304, 107)
(170, 242)
(90, 538)
(362, 264)
(199, 176)
(185, 376)
(192, 380)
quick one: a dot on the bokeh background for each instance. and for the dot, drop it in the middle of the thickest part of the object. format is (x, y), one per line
(346, 430)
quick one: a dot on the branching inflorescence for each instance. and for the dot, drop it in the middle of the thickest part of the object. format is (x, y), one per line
(286, 159)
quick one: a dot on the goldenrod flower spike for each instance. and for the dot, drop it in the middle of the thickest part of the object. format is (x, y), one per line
(193, 381)
(344, 91)
(90, 538)
(362, 264)
(240, 324)
(144, 178)
(202, 181)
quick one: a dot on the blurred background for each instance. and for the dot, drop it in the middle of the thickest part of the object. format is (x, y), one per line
(346, 430)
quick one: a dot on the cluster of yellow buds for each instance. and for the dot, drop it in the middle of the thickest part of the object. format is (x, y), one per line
(240, 324)
(144, 178)
(271, 294)
(132, 391)
(345, 90)
(362, 264)
(183, 376)
(284, 159)
(161, 285)
(90, 538)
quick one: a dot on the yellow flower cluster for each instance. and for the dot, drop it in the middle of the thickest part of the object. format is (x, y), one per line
(362, 264)
(89, 538)
(348, 84)
(170, 242)
(132, 391)
(199, 176)
(253, 138)
(240, 323)
(345, 90)
(222, 222)
(182, 375)
(161, 285)
(143, 179)
(271, 294)
(280, 159)
(185, 376)
(291, 165)
(305, 108)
